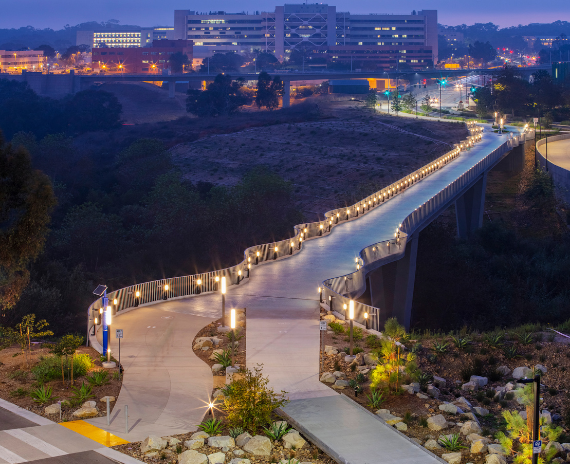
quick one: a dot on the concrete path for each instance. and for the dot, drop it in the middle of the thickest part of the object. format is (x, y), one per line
(27, 437)
(282, 334)
(558, 153)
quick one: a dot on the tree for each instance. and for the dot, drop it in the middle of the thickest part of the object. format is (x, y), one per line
(249, 402)
(396, 102)
(409, 101)
(545, 93)
(67, 346)
(266, 60)
(268, 91)
(48, 50)
(177, 62)
(92, 110)
(482, 51)
(223, 97)
(26, 201)
(300, 54)
(29, 329)
(512, 92)
(222, 62)
(426, 104)
(484, 100)
(371, 99)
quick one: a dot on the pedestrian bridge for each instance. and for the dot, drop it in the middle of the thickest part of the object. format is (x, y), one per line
(368, 248)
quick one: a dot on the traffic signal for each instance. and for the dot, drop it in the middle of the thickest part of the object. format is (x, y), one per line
(473, 88)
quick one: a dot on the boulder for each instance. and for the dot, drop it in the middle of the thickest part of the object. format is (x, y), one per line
(390, 419)
(408, 388)
(341, 383)
(452, 458)
(470, 427)
(401, 426)
(503, 370)
(522, 372)
(437, 422)
(415, 386)
(258, 446)
(469, 386)
(89, 404)
(280, 423)
(544, 414)
(370, 359)
(327, 377)
(480, 381)
(495, 448)
(339, 375)
(422, 396)
(481, 411)
(238, 452)
(476, 437)
(194, 444)
(293, 440)
(217, 368)
(495, 459)
(192, 457)
(433, 391)
(462, 401)
(221, 442)
(439, 382)
(478, 446)
(240, 461)
(216, 341)
(469, 416)
(242, 439)
(450, 408)
(432, 445)
(509, 386)
(541, 368)
(330, 350)
(200, 434)
(85, 413)
(153, 443)
(203, 342)
(566, 446)
(53, 409)
(329, 318)
(214, 353)
(218, 394)
(216, 458)
(554, 444)
(172, 441)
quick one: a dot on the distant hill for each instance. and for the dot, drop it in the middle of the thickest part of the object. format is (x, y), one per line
(30, 37)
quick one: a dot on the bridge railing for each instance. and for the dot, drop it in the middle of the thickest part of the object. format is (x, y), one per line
(186, 286)
(340, 290)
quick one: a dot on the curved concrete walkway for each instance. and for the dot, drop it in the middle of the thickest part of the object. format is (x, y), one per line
(282, 334)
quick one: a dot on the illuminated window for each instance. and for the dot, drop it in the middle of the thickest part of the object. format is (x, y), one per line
(359, 43)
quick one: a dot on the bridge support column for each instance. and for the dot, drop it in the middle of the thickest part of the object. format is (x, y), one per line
(286, 94)
(392, 286)
(171, 89)
(469, 208)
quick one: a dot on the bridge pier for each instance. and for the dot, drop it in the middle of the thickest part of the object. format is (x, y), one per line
(392, 286)
(469, 208)
(286, 94)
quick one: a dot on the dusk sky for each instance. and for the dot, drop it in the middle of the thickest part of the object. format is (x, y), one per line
(58, 13)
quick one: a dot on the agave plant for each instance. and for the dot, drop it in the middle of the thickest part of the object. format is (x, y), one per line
(461, 342)
(211, 426)
(452, 443)
(376, 398)
(42, 395)
(276, 430)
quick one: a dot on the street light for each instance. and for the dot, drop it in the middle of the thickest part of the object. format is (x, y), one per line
(223, 301)
(351, 317)
(108, 320)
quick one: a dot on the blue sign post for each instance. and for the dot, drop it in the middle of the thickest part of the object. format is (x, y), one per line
(536, 446)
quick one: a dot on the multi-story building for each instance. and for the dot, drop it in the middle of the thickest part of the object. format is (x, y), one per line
(140, 60)
(124, 38)
(388, 39)
(16, 61)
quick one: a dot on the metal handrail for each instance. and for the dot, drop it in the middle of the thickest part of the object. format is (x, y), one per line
(344, 288)
(186, 286)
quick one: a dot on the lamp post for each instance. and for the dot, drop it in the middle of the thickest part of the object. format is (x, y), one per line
(108, 316)
(351, 317)
(223, 301)
(233, 326)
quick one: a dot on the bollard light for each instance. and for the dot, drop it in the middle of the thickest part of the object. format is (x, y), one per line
(366, 320)
(223, 290)
(115, 302)
(198, 286)
(165, 294)
(320, 230)
(300, 240)
(248, 270)
(337, 217)
(320, 295)
(137, 298)
(257, 257)
(351, 317)
(275, 252)
(239, 277)
(95, 321)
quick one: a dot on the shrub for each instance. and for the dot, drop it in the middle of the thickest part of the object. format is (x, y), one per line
(461, 342)
(440, 347)
(423, 421)
(509, 396)
(235, 432)
(249, 402)
(49, 367)
(19, 392)
(211, 426)
(376, 398)
(82, 394)
(276, 431)
(494, 375)
(336, 327)
(372, 341)
(19, 375)
(525, 338)
(42, 395)
(224, 358)
(452, 443)
(98, 378)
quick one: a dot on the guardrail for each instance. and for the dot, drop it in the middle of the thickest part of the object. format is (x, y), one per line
(186, 286)
(338, 291)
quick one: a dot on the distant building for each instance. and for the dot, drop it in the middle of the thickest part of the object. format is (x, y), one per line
(390, 40)
(350, 86)
(544, 41)
(561, 71)
(16, 61)
(125, 38)
(140, 60)
(454, 39)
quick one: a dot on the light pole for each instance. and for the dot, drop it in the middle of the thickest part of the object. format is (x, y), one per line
(108, 316)
(223, 301)
(351, 317)
(233, 326)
